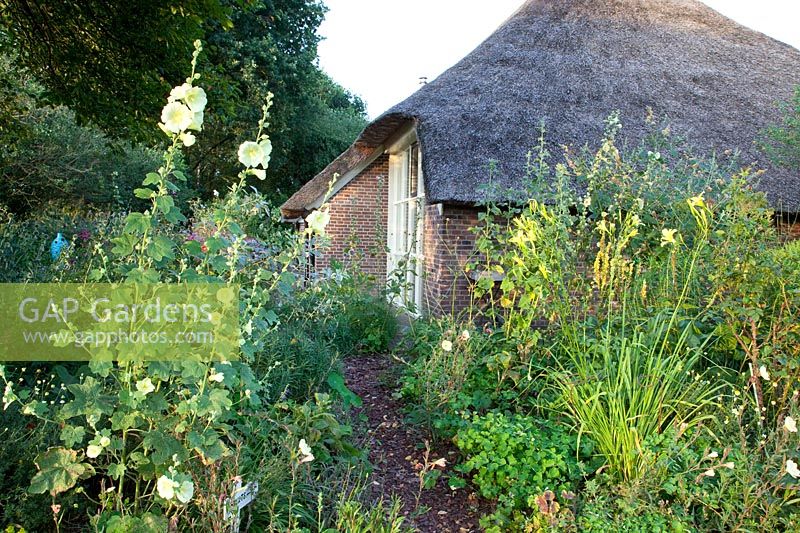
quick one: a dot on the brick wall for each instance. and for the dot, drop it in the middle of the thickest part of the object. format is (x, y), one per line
(357, 229)
(789, 229)
(449, 245)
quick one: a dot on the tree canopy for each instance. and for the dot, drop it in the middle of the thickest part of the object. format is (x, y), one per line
(113, 63)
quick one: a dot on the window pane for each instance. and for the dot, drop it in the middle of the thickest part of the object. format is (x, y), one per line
(413, 170)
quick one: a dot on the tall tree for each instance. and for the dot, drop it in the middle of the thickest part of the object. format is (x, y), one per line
(113, 62)
(272, 47)
(110, 61)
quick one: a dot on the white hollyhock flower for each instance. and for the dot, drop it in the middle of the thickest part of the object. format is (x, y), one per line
(166, 487)
(187, 139)
(266, 145)
(260, 173)
(93, 450)
(318, 221)
(196, 99)
(176, 117)
(197, 121)
(789, 424)
(179, 92)
(251, 154)
(447, 345)
(219, 377)
(185, 491)
(305, 452)
(145, 386)
(104, 441)
(791, 469)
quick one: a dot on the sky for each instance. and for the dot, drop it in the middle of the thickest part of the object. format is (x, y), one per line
(379, 49)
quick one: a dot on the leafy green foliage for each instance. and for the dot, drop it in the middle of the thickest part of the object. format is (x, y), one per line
(25, 241)
(59, 471)
(152, 441)
(367, 324)
(294, 361)
(628, 293)
(621, 390)
(483, 370)
(357, 517)
(112, 66)
(514, 459)
(47, 156)
(272, 47)
(355, 316)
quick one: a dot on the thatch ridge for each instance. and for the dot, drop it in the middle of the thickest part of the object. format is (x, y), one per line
(571, 63)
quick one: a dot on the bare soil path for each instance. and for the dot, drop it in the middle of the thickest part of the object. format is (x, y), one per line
(395, 448)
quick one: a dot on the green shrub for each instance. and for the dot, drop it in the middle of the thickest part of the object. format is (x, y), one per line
(598, 516)
(368, 324)
(20, 441)
(25, 243)
(439, 381)
(58, 160)
(628, 386)
(348, 309)
(514, 459)
(294, 362)
(294, 494)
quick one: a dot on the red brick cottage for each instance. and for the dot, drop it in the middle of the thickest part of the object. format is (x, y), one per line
(409, 185)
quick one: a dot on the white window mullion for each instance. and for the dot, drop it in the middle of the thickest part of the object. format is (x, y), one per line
(405, 232)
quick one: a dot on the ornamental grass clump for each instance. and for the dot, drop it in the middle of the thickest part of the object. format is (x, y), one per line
(626, 387)
(634, 375)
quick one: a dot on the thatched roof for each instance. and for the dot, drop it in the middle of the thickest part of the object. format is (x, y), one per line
(570, 64)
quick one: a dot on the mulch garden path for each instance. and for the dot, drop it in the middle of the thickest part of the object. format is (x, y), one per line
(395, 447)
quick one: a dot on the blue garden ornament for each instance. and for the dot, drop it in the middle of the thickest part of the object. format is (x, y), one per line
(58, 244)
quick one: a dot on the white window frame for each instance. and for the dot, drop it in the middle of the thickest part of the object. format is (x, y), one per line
(405, 226)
